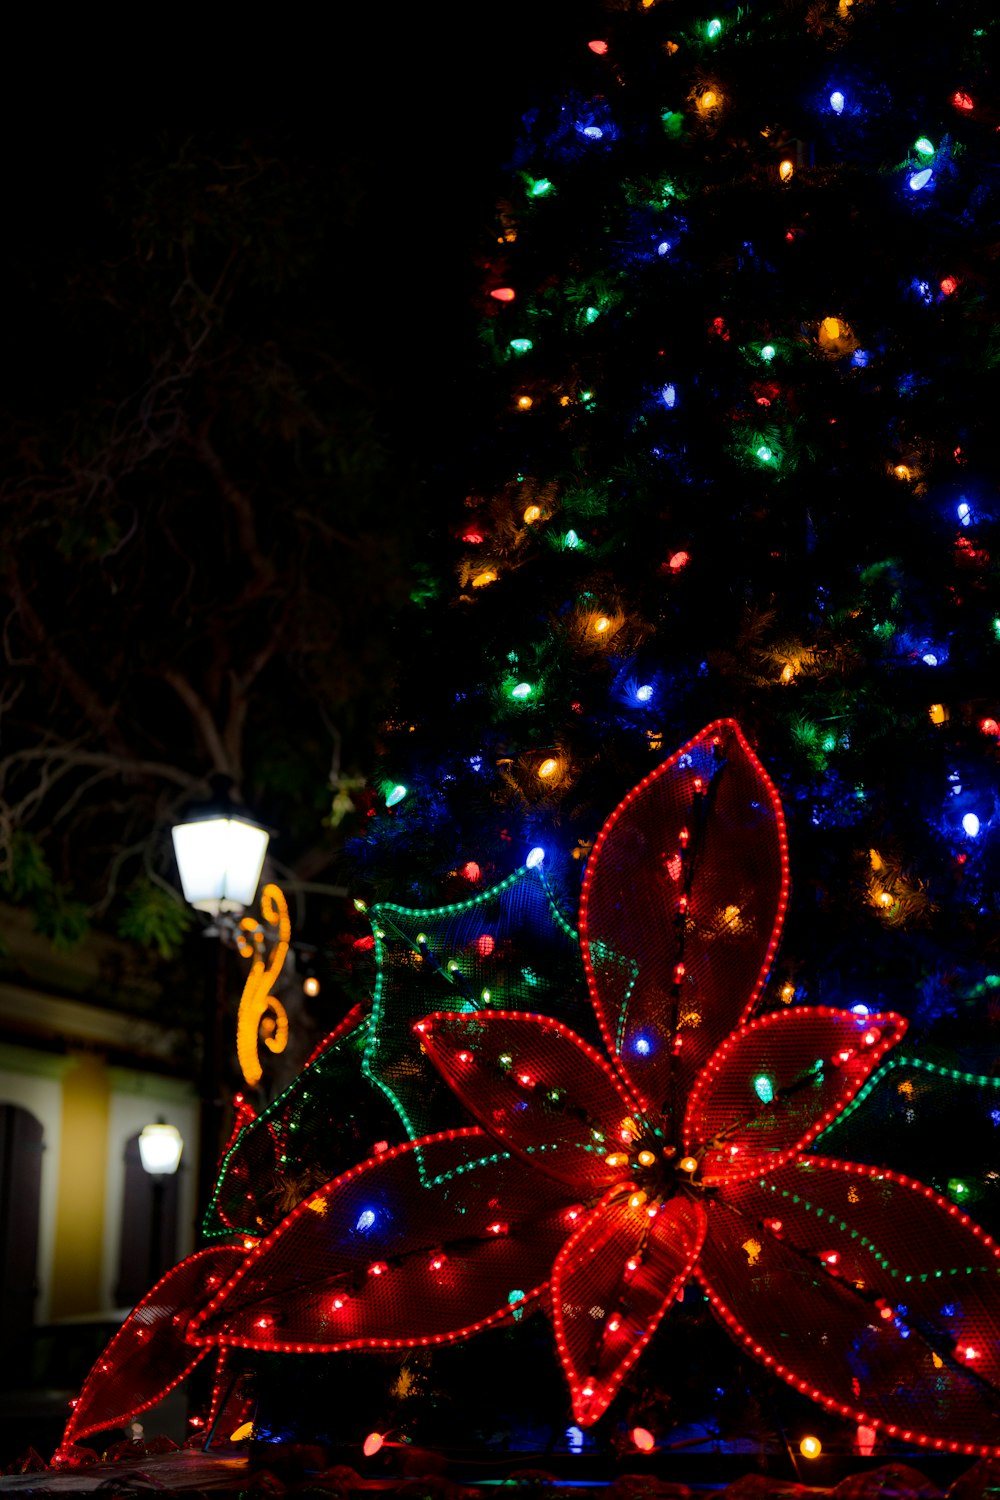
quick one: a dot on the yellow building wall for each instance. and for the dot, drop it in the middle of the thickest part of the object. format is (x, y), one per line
(80, 1197)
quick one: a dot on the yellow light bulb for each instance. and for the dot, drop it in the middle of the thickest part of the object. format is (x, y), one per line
(937, 713)
(731, 915)
(646, 1158)
(524, 402)
(787, 673)
(831, 327)
(532, 514)
(601, 624)
(637, 1200)
(488, 575)
(810, 1447)
(548, 767)
(688, 1164)
(902, 471)
(787, 993)
(709, 99)
(785, 171)
(616, 1159)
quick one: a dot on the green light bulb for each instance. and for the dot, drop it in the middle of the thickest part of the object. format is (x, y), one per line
(397, 794)
(924, 146)
(714, 28)
(521, 346)
(540, 187)
(591, 314)
(521, 691)
(767, 353)
(763, 1088)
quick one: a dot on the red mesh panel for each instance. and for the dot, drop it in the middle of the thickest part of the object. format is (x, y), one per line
(681, 908)
(375, 1259)
(148, 1356)
(289, 1150)
(539, 1088)
(506, 949)
(611, 1286)
(777, 1082)
(867, 1292)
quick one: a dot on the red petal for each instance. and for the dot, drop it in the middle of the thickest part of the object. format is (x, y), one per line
(732, 872)
(538, 1088)
(781, 1050)
(612, 1284)
(821, 1267)
(148, 1355)
(376, 1260)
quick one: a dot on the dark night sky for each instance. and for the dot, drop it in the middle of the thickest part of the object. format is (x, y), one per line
(424, 100)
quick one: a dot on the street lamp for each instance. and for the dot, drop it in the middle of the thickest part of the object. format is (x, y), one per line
(220, 853)
(160, 1147)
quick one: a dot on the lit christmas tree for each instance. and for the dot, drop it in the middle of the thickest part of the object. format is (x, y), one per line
(738, 316)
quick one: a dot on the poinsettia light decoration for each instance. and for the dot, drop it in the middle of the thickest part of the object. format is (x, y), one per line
(678, 1154)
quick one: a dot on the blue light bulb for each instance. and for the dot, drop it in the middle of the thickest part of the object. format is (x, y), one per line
(970, 824)
(645, 692)
(535, 857)
(837, 102)
(920, 180)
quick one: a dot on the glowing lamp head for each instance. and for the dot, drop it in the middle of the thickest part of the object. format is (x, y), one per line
(310, 986)
(503, 293)
(535, 857)
(220, 854)
(160, 1148)
(373, 1442)
(837, 102)
(532, 514)
(644, 692)
(598, 46)
(643, 1439)
(767, 353)
(810, 1447)
(646, 1158)
(786, 170)
(548, 768)
(971, 825)
(688, 1164)
(920, 180)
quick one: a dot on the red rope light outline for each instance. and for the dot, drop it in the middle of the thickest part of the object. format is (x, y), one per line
(856, 1413)
(760, 1166)
(713, 732)
(193, 1334)
(587, 1408)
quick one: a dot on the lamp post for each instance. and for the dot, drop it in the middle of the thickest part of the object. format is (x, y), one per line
(220, 853)
(160, 1147)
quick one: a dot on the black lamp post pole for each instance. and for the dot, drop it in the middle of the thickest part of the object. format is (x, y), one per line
(213, 1053)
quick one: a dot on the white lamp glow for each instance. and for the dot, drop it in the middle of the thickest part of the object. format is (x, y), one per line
(160, 1148)
(220, 860)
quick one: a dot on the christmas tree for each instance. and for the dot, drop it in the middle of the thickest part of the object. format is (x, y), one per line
(695, 732)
